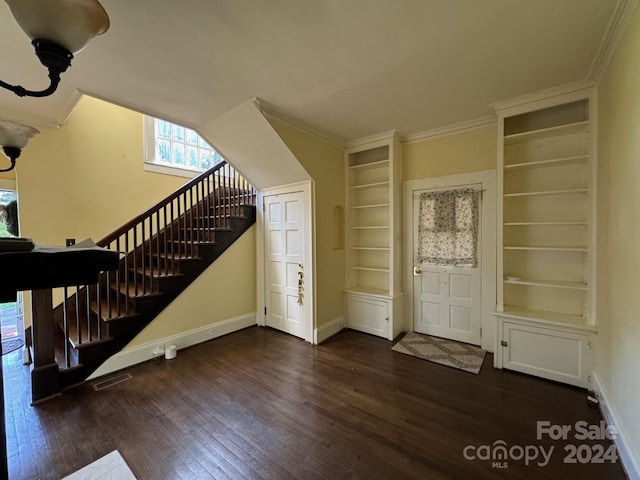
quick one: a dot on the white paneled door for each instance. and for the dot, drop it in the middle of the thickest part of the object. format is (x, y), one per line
(447, 300)
(284, 255)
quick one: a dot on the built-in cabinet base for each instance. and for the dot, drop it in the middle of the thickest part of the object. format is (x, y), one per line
(379, 315)
(544, 349)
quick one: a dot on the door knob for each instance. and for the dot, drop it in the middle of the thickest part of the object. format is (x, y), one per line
(417, 271)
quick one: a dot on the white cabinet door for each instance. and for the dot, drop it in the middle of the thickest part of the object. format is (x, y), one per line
(549, 353)
(368, 314)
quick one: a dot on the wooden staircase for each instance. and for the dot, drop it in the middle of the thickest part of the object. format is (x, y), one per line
(162, 252)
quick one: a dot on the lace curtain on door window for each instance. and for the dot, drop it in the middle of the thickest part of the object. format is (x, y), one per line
(448, 228)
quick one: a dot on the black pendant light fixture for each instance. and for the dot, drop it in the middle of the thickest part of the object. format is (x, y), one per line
(58, 29)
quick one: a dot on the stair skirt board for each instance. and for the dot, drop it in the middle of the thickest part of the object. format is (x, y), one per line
(128, 357)
(329, 329)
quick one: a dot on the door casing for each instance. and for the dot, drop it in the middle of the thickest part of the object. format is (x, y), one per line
(309, 305)
(486, 178)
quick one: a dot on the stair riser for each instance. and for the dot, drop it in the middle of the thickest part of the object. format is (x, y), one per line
(192, 249)
(123, 328)
(88, 354)
(159, 284)
(73, 356)
(198, 234)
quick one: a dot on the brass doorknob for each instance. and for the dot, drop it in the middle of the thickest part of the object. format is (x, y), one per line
(417, 271)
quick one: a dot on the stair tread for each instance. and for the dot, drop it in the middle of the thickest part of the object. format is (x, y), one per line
(183, 258)
(131, 293)
(195, 242)
(208, 230)
(105, 309)
(157, 273)
(212, 229)
(84, 336)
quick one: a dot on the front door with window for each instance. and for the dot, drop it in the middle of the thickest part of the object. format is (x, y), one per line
(447, 283)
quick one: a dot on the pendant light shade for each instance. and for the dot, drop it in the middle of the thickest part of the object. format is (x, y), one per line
(67, 23)
(13, 134)
(13, 138)
(58, 29)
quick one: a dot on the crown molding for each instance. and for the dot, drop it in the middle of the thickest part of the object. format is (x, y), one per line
(371, 138)
(459, 127)
(269, 111)
(512, 106)
(29, 119)
(71, 104)
(616, 28)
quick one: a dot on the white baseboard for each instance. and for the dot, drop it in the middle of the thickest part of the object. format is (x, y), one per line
(132, 356)
(628, 457)
(329, 329)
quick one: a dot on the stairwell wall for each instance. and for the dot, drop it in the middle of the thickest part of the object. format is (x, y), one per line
(226, 290)
(86, 178)
(7, 175)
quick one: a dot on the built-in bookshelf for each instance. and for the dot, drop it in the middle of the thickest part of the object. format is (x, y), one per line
(546, 169)
(373, 235)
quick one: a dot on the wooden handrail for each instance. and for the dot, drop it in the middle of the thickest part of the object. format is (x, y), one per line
(150, 211)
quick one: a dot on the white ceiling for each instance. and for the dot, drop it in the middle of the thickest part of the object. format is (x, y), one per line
(345, 68)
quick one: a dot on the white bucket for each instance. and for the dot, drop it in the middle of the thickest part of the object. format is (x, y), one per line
(170, 352)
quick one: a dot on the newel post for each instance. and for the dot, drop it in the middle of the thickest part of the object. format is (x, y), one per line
(44, 369)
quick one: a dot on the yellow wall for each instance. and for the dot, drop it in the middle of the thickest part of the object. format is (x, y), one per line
(468, 151)
(325, 164)
(4, 163)
(618, 352)
(225, 290)
(85, 179)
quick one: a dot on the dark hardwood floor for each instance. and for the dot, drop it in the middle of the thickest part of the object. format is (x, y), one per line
(262, 404)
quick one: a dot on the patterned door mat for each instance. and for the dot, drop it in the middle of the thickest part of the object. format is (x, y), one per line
(441, 350)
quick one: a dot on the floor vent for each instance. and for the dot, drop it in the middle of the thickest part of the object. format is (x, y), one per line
(111, 381)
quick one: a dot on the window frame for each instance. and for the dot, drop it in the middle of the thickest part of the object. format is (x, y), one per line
(150, 162)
